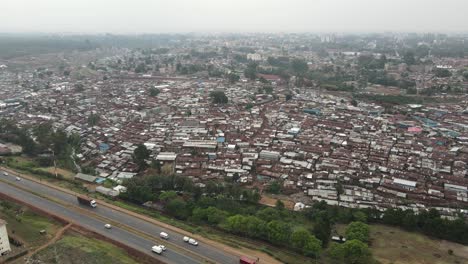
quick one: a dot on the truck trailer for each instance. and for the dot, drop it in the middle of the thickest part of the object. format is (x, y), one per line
(86, 201)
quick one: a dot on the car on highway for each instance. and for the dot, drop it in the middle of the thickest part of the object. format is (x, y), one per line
(164, 235)
(193, 242)
(108, 226)
(157, 249)
(18, 178)
(5, 173)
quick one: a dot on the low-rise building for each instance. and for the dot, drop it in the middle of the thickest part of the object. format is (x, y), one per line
(4, 241)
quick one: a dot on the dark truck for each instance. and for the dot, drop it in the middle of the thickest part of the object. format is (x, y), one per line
(86, 201)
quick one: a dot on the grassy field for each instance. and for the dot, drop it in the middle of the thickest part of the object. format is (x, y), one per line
(391, 245)
(23, 161)
(65, 173)
(26, 225)
(76, 249)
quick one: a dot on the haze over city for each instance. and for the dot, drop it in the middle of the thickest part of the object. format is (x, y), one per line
(208, 16)
(233, 131)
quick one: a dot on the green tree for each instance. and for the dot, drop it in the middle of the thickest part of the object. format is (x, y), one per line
(274, 187)
(93, 119)
(178, 208)
(140, 154)
(322, 229)
(141, 68)
(268, 214)
(137, 190)
(268, 89)
(358, 231)
(210, 215)
(351, 252)
(233, 78)
(279, 205)
(156, 164)
(153, 91)
(442, 73)
(218, 97)
(60, 143)
(79, 87)
(408, 58)
(313, 247)
(256, 227)
(251, 70)
(360, 216)
(300, 237)
(299, 67)
(235, 223)
(167, 196)
(465, 75)
(278, 232)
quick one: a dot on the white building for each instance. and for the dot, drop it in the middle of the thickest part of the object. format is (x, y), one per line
(4, 242)
(409, 185)
(270, 155)
(254, 57)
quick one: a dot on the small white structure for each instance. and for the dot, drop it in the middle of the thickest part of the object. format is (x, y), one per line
(299, 206)
(4, 242)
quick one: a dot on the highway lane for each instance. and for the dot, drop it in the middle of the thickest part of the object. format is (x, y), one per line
(128, 220)
(116, 233)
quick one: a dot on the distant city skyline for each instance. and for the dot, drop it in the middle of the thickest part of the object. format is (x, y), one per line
(221, 16)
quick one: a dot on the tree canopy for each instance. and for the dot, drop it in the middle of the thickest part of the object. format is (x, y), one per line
(359, 231)
(140, 154)
(219, 97)
(351, 252)
(154, 91)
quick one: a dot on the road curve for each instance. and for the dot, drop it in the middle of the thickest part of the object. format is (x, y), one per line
(146, 234)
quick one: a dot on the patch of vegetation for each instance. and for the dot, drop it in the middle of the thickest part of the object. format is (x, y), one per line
(77, 249)
(219, 97)
(26, 224)
(50, 144)
(393, 245)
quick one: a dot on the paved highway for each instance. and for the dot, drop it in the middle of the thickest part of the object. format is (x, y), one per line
(108, 215)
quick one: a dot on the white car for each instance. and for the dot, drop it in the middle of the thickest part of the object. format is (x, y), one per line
(108, 226)
(157, 249)
(186, 238)
(164, 235)
(5, 173)
(193, 242)
(162, 247)
(18, 178)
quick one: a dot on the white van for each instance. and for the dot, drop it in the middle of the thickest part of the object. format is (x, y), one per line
(164, 235)
(157, 249)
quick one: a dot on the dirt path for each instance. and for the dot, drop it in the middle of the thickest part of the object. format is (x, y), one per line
(57, 236)
(264, 258)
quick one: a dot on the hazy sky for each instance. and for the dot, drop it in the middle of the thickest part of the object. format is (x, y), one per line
(154, 16)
